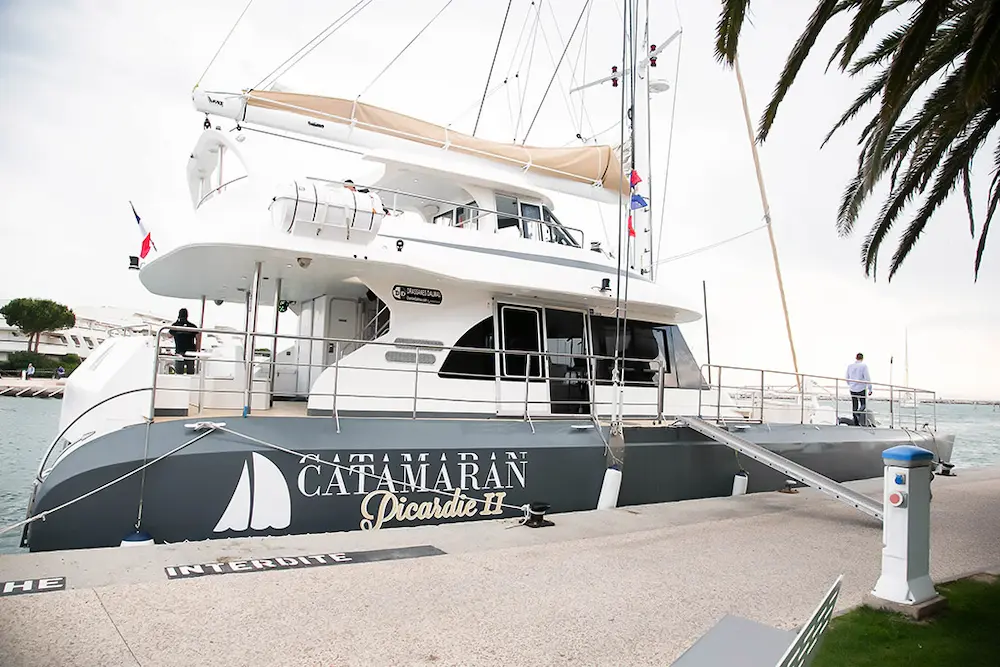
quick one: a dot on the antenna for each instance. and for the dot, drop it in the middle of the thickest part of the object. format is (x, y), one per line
(649, 60)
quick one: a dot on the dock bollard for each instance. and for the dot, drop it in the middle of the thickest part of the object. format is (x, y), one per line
(536, 516)
(905, 584)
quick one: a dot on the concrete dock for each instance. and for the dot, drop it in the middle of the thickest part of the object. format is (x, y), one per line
(630, 586)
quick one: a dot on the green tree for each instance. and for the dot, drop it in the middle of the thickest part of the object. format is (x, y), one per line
(941, 65)
(37, 316)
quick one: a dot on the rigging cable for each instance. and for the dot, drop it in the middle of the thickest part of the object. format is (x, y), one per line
(555, 72)
(359, 6)
(711, 246)
(415, 38)
(527, 78)
(492, 64)
(632, 67)
(572, 72)
(670, 138)
(562, 88)
(616, 371)
(219, 50)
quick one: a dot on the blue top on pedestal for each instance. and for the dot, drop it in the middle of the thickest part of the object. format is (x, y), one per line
(907, 454)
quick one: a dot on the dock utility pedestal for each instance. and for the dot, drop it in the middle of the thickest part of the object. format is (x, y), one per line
(800, 473)
(906, 533)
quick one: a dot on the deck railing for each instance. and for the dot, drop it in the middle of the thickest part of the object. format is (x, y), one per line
(764, 395)
(259, 369)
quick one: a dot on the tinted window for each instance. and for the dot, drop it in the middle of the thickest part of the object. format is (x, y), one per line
(639, 344)
(508, 205)
(520, 328)
(472, 365)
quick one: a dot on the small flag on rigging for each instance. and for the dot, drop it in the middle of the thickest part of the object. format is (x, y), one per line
(634, 179)
(631, 229)
(638, 202)
(147, 238)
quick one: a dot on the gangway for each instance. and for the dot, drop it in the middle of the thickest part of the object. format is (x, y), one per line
(800, 473)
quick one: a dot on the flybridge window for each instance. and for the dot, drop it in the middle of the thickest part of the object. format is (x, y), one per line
(554, 232)
(534, 222)
(508, 205)
(462, 216)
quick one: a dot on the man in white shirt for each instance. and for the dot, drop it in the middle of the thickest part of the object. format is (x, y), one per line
(859, 382)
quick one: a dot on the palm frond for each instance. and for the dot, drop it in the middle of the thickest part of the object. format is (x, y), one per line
(982, 73)
(994, 197)
(959, 159)
(967, 191)
(869, 11)
(935, 85)
(823, 13)
(728, 30)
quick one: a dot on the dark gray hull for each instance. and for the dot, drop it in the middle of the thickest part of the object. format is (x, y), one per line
(226, 486)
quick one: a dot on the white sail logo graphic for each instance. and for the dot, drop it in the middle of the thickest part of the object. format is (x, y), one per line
(269, 506)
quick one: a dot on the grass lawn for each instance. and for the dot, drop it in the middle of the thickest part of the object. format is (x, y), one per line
(966, 634)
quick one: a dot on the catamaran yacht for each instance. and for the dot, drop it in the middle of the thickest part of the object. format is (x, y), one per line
(462, 350)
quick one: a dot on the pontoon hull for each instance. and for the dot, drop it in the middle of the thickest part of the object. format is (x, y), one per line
(226, 486)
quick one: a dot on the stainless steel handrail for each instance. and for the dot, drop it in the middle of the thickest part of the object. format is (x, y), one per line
(528, 377)
(473, 207)
(799, 393)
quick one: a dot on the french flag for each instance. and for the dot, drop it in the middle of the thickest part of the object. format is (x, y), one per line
(147, 239)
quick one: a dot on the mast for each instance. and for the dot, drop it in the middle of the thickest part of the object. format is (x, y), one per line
(642, 218)
(906, 356)
(767, 218)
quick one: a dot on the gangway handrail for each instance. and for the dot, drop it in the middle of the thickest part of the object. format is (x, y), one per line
(800, 473)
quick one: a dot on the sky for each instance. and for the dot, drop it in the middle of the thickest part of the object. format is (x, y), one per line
(95, 111)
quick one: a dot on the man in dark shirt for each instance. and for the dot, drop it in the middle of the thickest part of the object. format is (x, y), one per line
(184, 342)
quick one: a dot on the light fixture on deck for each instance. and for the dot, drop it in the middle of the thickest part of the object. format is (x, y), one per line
(133, 263)
(605, 285)
(304, 262)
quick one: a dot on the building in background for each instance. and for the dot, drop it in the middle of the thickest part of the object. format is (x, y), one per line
(94, 324)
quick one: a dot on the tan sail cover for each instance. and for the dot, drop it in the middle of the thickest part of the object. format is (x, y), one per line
(585, 164)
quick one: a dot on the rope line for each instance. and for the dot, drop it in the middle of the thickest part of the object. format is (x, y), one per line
(46, 513)
(219, 50)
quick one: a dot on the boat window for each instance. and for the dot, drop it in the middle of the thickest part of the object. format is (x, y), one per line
(640, 348)
(467, 216)
(446, 218)
(89, 342)
(508, 205)
(531, 230)
(521, 329)
(76, 341)
(466, 365)
(554, 232)
(62, 339)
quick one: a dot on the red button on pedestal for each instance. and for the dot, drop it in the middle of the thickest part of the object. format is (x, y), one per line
(895, 498)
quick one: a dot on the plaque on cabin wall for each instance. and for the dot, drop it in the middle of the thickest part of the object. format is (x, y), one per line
(417, 294)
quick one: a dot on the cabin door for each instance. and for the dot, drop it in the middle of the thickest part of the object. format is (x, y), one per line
(566, 354)
(522, 380)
